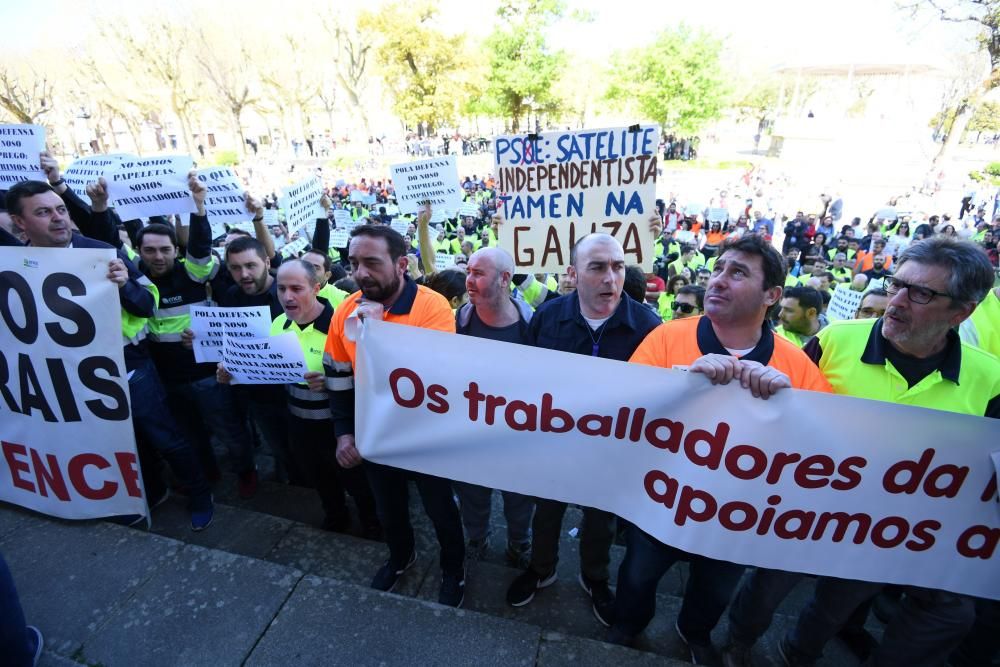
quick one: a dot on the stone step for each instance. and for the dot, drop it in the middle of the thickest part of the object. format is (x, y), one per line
(107, 595)
(562, 608)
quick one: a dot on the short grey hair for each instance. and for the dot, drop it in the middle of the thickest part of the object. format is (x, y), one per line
(309, 269)
(970, 273)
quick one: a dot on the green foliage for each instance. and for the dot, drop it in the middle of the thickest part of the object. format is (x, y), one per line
(993, 169)
(226, 158)
(523, 70)
(985, 119)
(676, 81)
(424, 69)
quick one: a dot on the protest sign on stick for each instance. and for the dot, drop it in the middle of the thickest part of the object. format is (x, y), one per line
(434, 180)
(21, 147)
(141, 187)
(266, 360)
(708, 469)
(212, 325)
(300, 202)
(66, 442)
(557, 187)
(844, 303)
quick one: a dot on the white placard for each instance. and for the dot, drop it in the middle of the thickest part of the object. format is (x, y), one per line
(271, 217)
(443, 260)
(560, 186)
(67, 447)
(295, 247)
(357, 196)
(143, 187)
(707, 469)
(21, 147)
(434, 180)
(717, 215)
(369, 200)
(400, 225)
(270, 360)
(391, 210)
(90, 168)
(339, 238)
(300, 202)
(469, 209)
(343, 219)
(225, 203)
(212, 325)
(844, 303)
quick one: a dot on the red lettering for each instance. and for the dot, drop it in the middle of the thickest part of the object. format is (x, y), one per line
(673, 440)
(716, 446)
(550, 414)
(923, 532)
(49, 476)
(418, 387)
(79, 480)
(781, 459)
(130, 473)
(686, 509)
(898, 524)
(757, 466)
(17, 467)
(436, 402)
(726, 516)
(848, 469)
(529, 412)
(990, 538)
(804, 521)
(665, 498)
(818, 465)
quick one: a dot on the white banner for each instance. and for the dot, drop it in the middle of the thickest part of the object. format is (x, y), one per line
(434, 180)
(225, 203)
(211, 326)
(710, 470)
(65, 429)
(21, 147)
(557, 187)
(88, 169)
(300, 202)
(271, 360)
(141, 187)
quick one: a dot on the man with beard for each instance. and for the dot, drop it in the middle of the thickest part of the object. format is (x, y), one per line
(911, 356)
(800, 314)
(493, 313)
(378, 258)
(878, 270)
(202, 406)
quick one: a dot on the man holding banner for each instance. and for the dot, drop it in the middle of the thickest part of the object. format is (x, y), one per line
(731, 342)
(911, 356)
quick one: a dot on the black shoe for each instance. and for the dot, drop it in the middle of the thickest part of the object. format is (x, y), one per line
(858, 641)
(701, 653)
(452, 591)
(522, 590)
(388, 575)
(602, 597)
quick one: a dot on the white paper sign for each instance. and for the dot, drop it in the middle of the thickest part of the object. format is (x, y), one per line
(212, 325)
(143, 187)
(443, 260)
(391, 210)
(434, 180)
(717, 215)
(225, 202)
(357, 196)
(300, 202)
(88, 169)
(271, 360)
(469, 208)
(21, 147)
(67, 447)
(399, 225)
(295, 247)
(271, 217)
(707, 469)
(339, 238)
(844, 303)
(560, 186)
(343, 220)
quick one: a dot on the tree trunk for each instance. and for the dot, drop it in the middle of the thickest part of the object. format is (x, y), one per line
(962, 117)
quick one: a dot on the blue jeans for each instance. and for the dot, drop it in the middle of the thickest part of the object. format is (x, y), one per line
(710, 585)
(156, 428)
(15, 646)
(205, 403)
(392, 502)
(476, 503)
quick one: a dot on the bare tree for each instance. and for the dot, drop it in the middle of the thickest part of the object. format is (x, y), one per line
(293, 80)
(232, 73)
(350, 59)
(25, 95)
(985, 15)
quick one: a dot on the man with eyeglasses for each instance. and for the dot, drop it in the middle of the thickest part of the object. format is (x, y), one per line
(911, 356)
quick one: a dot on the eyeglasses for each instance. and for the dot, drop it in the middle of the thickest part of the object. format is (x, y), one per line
(685, 308)
(914, 293)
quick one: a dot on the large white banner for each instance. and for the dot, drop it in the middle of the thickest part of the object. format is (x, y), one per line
(556, 187)
(895, 494)
(65, 429)
(21, 147)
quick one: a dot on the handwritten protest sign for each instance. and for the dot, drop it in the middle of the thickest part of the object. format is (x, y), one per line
(225, 202)
(300, 202)
(844, 303)
(270, 360)
(357, 196)
(560, 186)
(434, 180)
(90, 168)
(212, 325)
(339, 238)
(21, 147)
(708, 469)
(271, 217)
(66, 435)
(717, 215)
(141, 187)
(443, 260)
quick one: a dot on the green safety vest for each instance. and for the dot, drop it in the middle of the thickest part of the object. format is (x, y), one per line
(333, 295)
(168, 323)
(665, 306)
(982, 330)
(532, 291)
(302, 401)
(844, 342)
